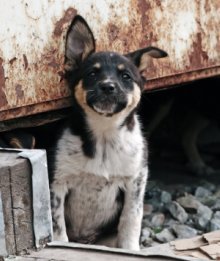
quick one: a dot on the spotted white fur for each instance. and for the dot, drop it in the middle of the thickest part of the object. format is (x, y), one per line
(123, 164)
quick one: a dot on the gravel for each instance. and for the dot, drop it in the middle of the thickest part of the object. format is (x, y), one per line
(180, 212)
(177, 212)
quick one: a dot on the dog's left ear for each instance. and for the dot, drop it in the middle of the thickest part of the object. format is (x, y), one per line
(80, 43)
(141, 57)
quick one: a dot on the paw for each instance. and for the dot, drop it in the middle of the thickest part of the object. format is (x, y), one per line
(134, 247)
(129, 245)
(60, 237)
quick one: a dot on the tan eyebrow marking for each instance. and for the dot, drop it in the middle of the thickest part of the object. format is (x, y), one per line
(97, 65)
(121, 67)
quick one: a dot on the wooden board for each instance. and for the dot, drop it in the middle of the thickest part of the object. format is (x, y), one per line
(16, 193)
(213, 251)
(69, 254)
(206, 246)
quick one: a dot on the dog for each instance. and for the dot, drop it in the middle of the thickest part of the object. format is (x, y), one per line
(100, 165)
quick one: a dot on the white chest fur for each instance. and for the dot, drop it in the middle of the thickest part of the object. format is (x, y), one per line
(117, 155)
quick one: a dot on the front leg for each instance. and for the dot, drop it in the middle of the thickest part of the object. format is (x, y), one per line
(129, 228)
(58, 193)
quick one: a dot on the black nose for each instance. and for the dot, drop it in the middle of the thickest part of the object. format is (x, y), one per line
(108, 87)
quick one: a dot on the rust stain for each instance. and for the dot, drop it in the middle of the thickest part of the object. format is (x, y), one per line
(53, 63)
(68, 16)
(149, 36)
(35, 108)
(118, 34)
(158, 2)
(113, 32)
(19, 91)
(25, 61)
(175, 79)
(207, 7)
(144, 8)
(50, 57)
(3, 99)
(12, 60)
(198, 56)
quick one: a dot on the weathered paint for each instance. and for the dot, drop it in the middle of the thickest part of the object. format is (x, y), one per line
(32, 44)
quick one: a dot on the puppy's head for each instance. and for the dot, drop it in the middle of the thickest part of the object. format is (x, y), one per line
(104, 82)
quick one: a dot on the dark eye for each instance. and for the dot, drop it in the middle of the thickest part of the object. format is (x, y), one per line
(92, 74)
(126, 76)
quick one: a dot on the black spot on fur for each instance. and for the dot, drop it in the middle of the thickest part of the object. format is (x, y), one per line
(137, 192)
(129, 121)
(70, 153)
(137, 186)
(104, 156)
(120, 197)
(58, 201)
(55, 201)
(99, 188)
(79, 127)
(56, 227)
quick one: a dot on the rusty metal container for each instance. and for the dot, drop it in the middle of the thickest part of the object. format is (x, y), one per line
(32, 36)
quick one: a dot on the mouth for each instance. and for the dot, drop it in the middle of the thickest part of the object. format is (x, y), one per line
(106, 105)
(104, 108)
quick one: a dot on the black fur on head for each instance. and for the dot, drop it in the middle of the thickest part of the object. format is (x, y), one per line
(108, 79)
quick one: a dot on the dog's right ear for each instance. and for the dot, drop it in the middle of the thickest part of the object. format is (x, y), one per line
(79, 43)
(141, 57)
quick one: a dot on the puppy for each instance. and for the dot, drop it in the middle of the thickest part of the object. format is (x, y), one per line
(100, 164)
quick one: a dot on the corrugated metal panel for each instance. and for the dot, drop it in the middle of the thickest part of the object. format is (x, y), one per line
(33, 33)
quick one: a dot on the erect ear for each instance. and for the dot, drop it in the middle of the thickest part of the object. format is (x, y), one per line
(79, 43)
(141, 57)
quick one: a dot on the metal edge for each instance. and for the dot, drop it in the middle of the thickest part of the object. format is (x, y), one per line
(3, 250)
